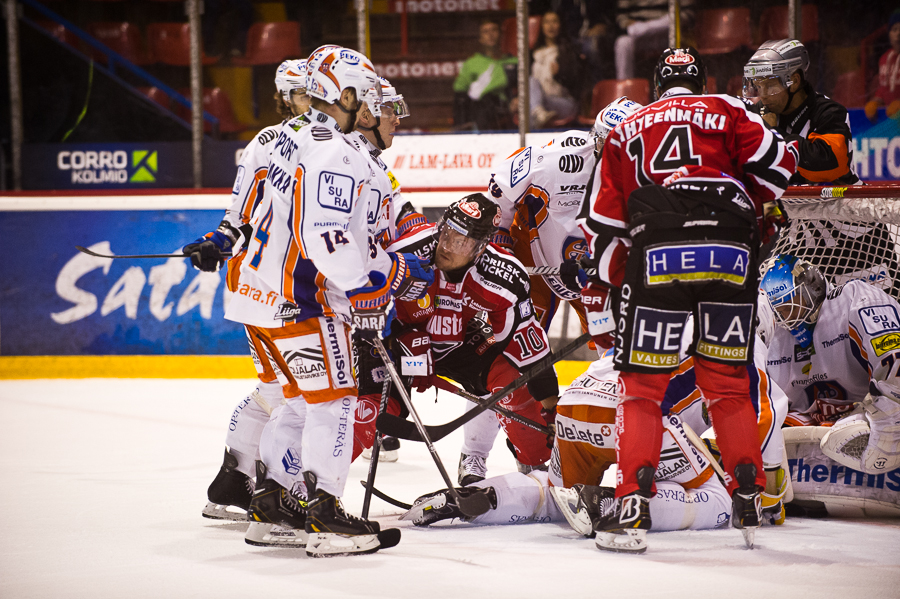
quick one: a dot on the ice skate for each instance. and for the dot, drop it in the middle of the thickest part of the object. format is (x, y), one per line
(623, 526)
(472, 468)
(229, 493)
(441, 505)
(389, 452)
(746, 503)
(277, 518)
(334, 532)
(583, 505)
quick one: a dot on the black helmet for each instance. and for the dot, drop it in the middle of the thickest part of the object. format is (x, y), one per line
(474, 216)
(679, 63)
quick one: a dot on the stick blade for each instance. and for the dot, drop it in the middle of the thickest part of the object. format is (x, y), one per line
(474, 505)
(393, 426)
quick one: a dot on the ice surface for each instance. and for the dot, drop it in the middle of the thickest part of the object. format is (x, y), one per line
(104, 481)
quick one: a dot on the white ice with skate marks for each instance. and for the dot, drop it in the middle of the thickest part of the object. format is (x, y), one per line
(104, 481)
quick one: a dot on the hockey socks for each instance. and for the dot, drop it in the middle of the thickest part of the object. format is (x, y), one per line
(737, 436)
(639, 427)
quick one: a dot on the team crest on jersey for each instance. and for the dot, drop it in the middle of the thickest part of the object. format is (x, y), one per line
(470, 208)
(574, 248)
(679, 57)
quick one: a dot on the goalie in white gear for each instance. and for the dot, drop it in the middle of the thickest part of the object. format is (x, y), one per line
(836, 353)
(230, 492)
(539, 191)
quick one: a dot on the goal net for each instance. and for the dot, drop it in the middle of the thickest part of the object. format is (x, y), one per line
(848, 232)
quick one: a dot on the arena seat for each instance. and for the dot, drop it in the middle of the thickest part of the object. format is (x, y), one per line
(723, 30)
(157, 95)
(216, 103)
(773, 23)
(121, 37)
(607, 90)
(170, 43)
(508, 34)
(735, 86)
(271, 43)
(59, 31)
(850, 90)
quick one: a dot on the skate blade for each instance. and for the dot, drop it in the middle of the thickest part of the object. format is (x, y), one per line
(329, 544)
(567, 502)
(230, 513)
(419, 512)
(749, 536)
(631, 540)
(264, 534)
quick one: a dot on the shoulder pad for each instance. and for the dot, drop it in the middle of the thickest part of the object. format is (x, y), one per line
(505, 271)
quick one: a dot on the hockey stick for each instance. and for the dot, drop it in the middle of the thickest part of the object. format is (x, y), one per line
(95, 254)
(554, 270)
(446, 385)
(404, 429)
(386, 498)
(472, 505)
(697, 442)
(376, 450)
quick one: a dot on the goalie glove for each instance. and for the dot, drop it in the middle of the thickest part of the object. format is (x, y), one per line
(598, 308)
(846, 440)
(882, 452)
(371, 309)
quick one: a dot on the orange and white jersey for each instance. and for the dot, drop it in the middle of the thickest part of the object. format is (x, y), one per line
(384, 199)
(310, 242)
(251, 176)
(547, 183)
(585, 443)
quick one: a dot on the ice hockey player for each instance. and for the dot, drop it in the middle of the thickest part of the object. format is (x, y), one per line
(836, 353)
(674, 227)
(233, 485)
(777, 75)
(539, 192)
(688, 494)
(477, 325)
(390, 217)
(311, 268)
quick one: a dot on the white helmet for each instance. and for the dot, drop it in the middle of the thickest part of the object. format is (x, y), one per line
(607, 119)
(329, 73)
(291, 75)
(390, 97)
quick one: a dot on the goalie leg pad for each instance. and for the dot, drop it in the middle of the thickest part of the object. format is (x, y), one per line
(882, 453)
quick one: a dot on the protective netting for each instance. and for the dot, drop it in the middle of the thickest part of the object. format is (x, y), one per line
(849, 233)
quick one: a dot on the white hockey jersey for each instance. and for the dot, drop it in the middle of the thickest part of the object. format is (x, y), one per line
(550, 183)
(251, 177)
(856, 341)
(384, 195)
(311, 241)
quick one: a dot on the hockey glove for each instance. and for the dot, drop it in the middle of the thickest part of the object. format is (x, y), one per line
(410, 277)
(371, 309)
(208, 253)
(572, 275)
(598, 307)
(415, 358)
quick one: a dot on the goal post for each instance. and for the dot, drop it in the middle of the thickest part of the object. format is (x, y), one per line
(848, 232)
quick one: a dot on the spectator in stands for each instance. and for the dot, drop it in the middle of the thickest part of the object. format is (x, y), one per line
(556, 71)
(888, 92)
(645, 27)
(481, 89)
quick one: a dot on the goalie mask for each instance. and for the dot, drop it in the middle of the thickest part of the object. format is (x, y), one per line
(795, 289)
(607, 119)
(770, 68)
(464, 230)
